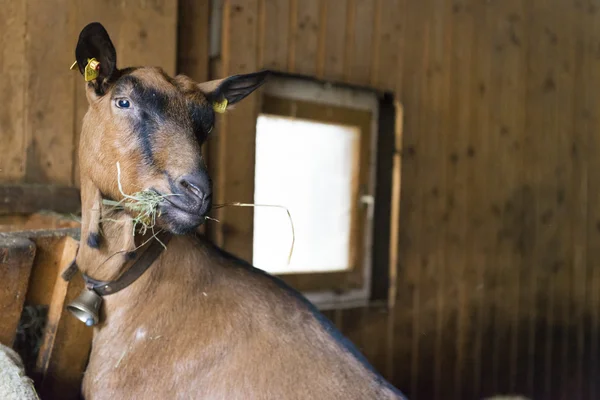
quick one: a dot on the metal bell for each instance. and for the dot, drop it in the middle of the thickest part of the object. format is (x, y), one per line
(86, 307)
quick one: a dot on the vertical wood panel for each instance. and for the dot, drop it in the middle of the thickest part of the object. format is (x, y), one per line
(507, 100)
(579, 188)
(562, 26)
(459, 159)
(429, 195)
(542, 84)
(336, 12)
(446, 311)
(13, 71)
(529, 164)
(509, 71)
(306, 36)
(389, 39)
(359, 48)
(590, 116)
(479, 236)
(274, 38)
(408, 306)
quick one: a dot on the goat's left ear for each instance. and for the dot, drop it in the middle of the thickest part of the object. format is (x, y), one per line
(223, 92)
(94, 43)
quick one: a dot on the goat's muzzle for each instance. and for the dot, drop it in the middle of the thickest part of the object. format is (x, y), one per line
(190, 202)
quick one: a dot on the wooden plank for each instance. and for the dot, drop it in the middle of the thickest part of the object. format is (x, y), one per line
(561, 32)
(359, 56)
(37, 221)
(506, 102)
(542, 97)
(430, 193)
(235, 180)
(306, 37)
(407, 326)
(592, 122)
(459, 159)
(147, 34)
(445, 324)
(16, 259)
(31, 198)
(395, 204)
(50, 102)
(507, 99)
(533, 156)
(479, 237)
(580, 151)
(46, 268)
(331, 63)
(192, 39)
(390, 36)
(66, 344)
(274, 35)
(13, 85)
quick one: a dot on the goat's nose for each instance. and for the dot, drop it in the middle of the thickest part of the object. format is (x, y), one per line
(197, 186)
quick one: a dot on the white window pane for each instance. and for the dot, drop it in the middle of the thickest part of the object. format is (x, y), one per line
(307, 167)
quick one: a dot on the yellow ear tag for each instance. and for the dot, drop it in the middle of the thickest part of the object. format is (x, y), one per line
(92, 70)
(220, 106)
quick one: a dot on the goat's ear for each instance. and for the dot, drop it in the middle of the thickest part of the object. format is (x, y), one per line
(94, 42)
(233, 89)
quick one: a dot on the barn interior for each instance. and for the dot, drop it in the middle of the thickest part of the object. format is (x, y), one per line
(436, 158)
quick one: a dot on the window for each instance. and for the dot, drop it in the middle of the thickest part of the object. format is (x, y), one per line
(316, 154)
(309, 167)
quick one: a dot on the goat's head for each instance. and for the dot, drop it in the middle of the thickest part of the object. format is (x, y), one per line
(154, 126)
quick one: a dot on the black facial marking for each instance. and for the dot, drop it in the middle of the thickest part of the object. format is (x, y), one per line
(145, 126)
(93, 240)
(203, 119)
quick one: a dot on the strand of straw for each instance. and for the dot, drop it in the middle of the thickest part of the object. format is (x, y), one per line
(238, 204)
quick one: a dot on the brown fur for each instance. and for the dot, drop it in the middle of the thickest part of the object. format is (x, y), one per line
(198, 324)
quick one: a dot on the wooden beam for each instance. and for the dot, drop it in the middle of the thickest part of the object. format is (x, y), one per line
(31, 198)
(16, 259)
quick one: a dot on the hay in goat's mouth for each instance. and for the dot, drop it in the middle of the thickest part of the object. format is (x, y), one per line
(144, 206)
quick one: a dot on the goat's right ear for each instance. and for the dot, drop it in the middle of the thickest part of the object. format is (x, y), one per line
(94, 42)
(223, 92)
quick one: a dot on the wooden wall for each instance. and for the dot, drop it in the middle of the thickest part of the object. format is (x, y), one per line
(42, 101)
(499, 278)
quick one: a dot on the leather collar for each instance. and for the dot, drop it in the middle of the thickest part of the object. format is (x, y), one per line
(135, 270)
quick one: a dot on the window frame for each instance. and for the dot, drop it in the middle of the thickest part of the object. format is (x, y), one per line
(292, 96)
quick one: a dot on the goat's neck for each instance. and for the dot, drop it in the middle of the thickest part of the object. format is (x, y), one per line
(113, 231)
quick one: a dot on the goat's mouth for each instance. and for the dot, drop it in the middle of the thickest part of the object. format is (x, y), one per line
(180, 218)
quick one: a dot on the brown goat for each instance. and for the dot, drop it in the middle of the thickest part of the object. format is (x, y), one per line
(199, 323)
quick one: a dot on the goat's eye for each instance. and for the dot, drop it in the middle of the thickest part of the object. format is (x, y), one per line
(122, 103)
